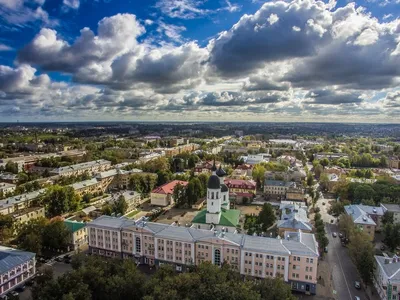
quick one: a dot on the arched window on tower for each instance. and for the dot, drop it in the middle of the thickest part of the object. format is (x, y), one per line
(217, 257)
(217, 196)
(212, 195)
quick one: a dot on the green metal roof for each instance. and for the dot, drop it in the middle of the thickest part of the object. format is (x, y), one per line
(228, 217)
(74, 226)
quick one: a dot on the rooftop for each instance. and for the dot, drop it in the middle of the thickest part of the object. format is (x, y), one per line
(10, 258)
(81, 166)
(390, 207)
(358, 215)
(168, 188)
(83, 184)
(74, 226)
(229, 218)
(390, 266)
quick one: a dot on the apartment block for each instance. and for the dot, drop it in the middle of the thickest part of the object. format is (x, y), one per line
(293, 258)
(17, 203)
(90, 167)
(7, 188)
(387, 277)
(392, 208)
(16, 267)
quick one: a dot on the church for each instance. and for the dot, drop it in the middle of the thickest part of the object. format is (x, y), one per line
(218, 214)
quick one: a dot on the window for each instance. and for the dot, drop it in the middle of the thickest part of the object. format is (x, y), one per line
(307, 260)
(298, 258)
(138, 246)
(217, 257)
(311, 260)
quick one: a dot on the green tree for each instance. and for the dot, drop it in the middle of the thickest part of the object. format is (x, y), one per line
(11, 167)
(22, 178)
(258, 174)
(388, 218)
(55, 235)
(194, 190)
(310, 180)
(324, 162)
(180, 196)
(29, 235)
(120, 206)
(266, 218)
(60, 199)
(392, 235)
(324, 181)
(318, 170)
(163, 177)
(6, 227)
(363, 192)
(346, 225)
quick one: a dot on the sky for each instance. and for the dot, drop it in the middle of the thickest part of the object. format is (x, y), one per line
(199, 60)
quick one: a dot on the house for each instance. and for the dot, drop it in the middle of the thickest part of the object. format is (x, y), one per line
(16, 267)
(392, 208)
(293, 218)
(253, 159)
(295, 192)
(163, 195)
(294, 258)
(205, 167)
(89, 186)
(386, 277)
(7, 188)
(394, 162)
(277, 188)
(15, 203)
(361, 219)
(27, 214)
(78, 234)
(243, 171)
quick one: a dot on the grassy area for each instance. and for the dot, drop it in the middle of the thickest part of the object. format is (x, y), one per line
(132, 213)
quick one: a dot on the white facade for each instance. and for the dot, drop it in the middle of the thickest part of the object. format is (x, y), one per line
(213, 206)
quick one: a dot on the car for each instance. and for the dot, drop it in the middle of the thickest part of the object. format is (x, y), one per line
(14, 293)
(357, 285)
(340, 234)
(59, 258)
(334, 234)
(332, 221)
(20, 289)
(326, 249)
(356, 298)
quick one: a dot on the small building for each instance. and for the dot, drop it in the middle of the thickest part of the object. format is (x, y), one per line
(199, 204)
(293, 218)
(89, 186)
(163, 195)
(27, 214)
(78, 234)
(243, 171)
(277, 188)
(16, 267)
(387, 276)
(7, 188)
(361, 219)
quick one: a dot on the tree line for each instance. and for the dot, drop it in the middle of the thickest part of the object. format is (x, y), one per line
(92, 278)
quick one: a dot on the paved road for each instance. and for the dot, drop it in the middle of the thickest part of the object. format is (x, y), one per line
(343, 271)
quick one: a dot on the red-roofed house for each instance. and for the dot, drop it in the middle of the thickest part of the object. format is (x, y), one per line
(239, 188)
(162, 195)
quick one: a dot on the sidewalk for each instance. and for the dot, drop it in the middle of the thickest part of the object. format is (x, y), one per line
(324, 283)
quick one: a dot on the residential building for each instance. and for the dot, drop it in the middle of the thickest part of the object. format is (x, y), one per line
(295, 174)
(78, 234)
(16, 267)
(387, 277)
(90, 167)
(7, 188)
(205, 167)
(163, 195)
(240, 188)
(243, 171)
(253, 159)
(361, 219)
(293, 218)
(89, 186)
(218, 214)
(171, 152)
(394, 162)
(9, 177)
(294, 258)
(295, 192)
(116, 178)
(330, 156)
(277, 188)
(27, 214)
(392, 208)
(15, 203)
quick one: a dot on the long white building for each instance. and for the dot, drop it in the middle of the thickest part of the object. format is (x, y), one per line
(294, 258)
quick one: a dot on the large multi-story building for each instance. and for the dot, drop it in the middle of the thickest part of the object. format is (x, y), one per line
(294, 258)
(89, 186)
(293, 218)
(16, 267)
(16, 203)
(392, 208)
(90, 167)
(163, 195)
(27, 214)
(277, 188)
(7, 188)
(387, 277)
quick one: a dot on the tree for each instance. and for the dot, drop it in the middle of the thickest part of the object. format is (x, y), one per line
(6, 227)
(388, 218)
(11, 167)
(392, 235)
(310, 180)
(346, 225)
(266, 218)
(180, 196)
(337, 208)
(120, 206)
(194, 190)
(324, 162)
(362, 253)
(364, 192)
(324, 181)
(163, 177)
(60, 199)
(318, 170)
(258, 174)
(22, 178)
(55, 235)
(29, 235)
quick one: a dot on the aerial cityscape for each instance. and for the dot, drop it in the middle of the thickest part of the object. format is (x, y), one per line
(199, 149)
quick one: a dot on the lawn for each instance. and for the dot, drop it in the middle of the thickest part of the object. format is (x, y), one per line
(132, 213)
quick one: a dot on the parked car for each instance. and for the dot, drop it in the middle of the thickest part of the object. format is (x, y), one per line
(340, 234)
(20, 289)
(59, 258)
(334, 234)
(356, 298)
(326, 249)
(357, 285)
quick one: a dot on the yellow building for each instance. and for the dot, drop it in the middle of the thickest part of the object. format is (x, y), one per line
(78, 233)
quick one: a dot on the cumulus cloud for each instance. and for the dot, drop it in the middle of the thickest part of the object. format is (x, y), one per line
(4, 47)
(331, 97)
(70, 4)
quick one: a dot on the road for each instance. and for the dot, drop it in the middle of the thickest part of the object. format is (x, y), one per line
(344, 272)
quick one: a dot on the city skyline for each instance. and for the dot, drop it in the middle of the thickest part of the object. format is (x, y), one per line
(188, 60)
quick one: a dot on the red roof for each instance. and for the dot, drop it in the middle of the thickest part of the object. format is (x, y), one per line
(249, 184)
(168, 188)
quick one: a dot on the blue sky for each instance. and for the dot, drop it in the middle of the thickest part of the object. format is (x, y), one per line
(237, 60)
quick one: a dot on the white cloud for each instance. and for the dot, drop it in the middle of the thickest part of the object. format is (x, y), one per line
(71, 4)
(4, 47)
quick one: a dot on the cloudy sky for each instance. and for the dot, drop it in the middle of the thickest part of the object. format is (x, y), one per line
(215, 60)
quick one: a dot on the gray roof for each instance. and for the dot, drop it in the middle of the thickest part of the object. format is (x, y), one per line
(10, 258)
(358, 215)
(81, 166)
(270, 245)
(391, 207)
(10, 201)
(83, 184)
(372, 210)
(111, 222)
(391, 269)
(294, 224)
(300, 243)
